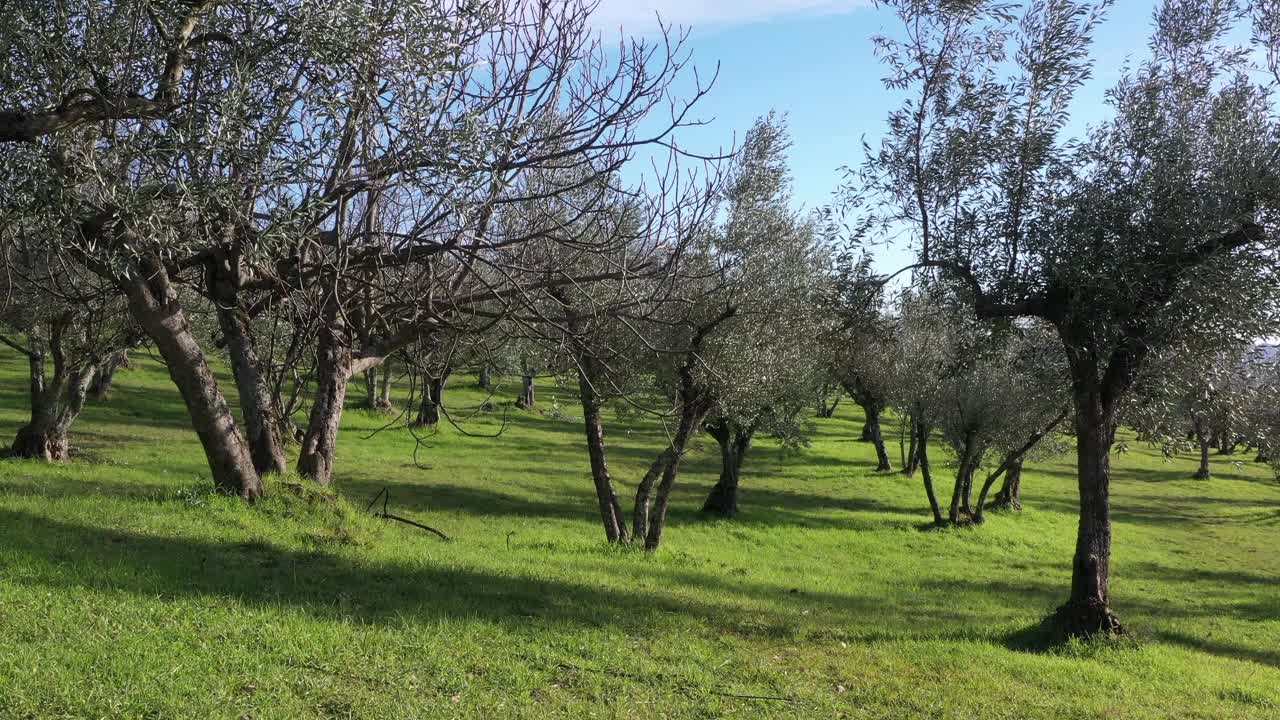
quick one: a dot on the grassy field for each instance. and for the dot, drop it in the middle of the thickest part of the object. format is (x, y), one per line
(127, 590)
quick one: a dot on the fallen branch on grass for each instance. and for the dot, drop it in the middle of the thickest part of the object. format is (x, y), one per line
(385, 494)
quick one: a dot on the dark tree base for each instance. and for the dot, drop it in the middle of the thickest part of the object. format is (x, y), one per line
(380, 405)
(1085, 620)
(1201, 475)
(35, 446)
(720, 503)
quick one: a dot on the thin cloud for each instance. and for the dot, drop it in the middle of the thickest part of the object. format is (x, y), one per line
(639, 15)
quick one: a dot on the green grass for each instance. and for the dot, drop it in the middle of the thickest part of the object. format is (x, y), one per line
(127, 590)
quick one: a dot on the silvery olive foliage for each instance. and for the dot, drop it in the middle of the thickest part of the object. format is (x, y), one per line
(760, 269)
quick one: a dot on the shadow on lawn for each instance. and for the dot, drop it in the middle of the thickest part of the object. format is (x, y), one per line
(758, 506)
(66, 556)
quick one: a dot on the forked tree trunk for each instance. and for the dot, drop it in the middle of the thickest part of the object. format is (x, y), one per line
(432, 397)
(262, 430)
(55, 403)
(333, 372)
(734, 441)
(1010, 493)
(100, 388)
(922, 460)
(154, 304)
(690, 419)
(644, 494)
(964, 476)
(912, 460)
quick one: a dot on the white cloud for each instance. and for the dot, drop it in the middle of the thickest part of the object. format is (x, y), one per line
(638, 15)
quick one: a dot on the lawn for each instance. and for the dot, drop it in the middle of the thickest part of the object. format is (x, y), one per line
(127, 590)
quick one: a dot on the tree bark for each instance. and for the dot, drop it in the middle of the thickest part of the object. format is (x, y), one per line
(970, 455)
(333, 367)
(1088, 609)
(1010, 493)
(100, 388)
(262, 431)
(55, 403)
(485, 379)
(1202, 441)
(922, 459)
(877, 440)
(734, 441)
(384, 385)
(611, 515)
(432, 397)
(528, 397)
(153, 303)
(912, 460)
(690, 419)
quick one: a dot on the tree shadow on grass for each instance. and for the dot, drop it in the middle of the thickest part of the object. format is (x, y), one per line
(70, 557)
(758, 507)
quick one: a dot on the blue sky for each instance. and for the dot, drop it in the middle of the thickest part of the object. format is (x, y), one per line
(813, 60)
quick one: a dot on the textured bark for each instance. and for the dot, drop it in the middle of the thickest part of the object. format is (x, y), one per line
(644, 494)
(882, 455)
(333, 372)
(611, 515)
(1088, 610)
(55, 402)
(100, 388)
(734, 441)
(262, 431)
(969, 457)
(690, 418)
(922, 460)
(485, 379)
(912, 461)
(153, 303)
(1010, 493)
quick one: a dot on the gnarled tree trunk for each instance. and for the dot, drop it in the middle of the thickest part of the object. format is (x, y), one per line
(1088, 609)
(56, 402)
(432, 397)
(615, 523)
(734, 441)
(100, 388)
(384, 385)
(1010, 493)
(333, 372)
(153, 303)
(262, 430)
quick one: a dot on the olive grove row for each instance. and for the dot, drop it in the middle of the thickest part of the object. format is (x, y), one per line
(388, 192)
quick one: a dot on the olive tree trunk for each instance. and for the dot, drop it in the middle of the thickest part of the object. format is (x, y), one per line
(55, 402)
(333, 372)
(100, 388)
(432, 397)
(1202, 441)
(1088, 609)
(922, 461)
(734, 441)
(154, 304)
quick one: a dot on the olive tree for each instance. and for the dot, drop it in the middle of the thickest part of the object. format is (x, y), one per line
(1148, 230)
